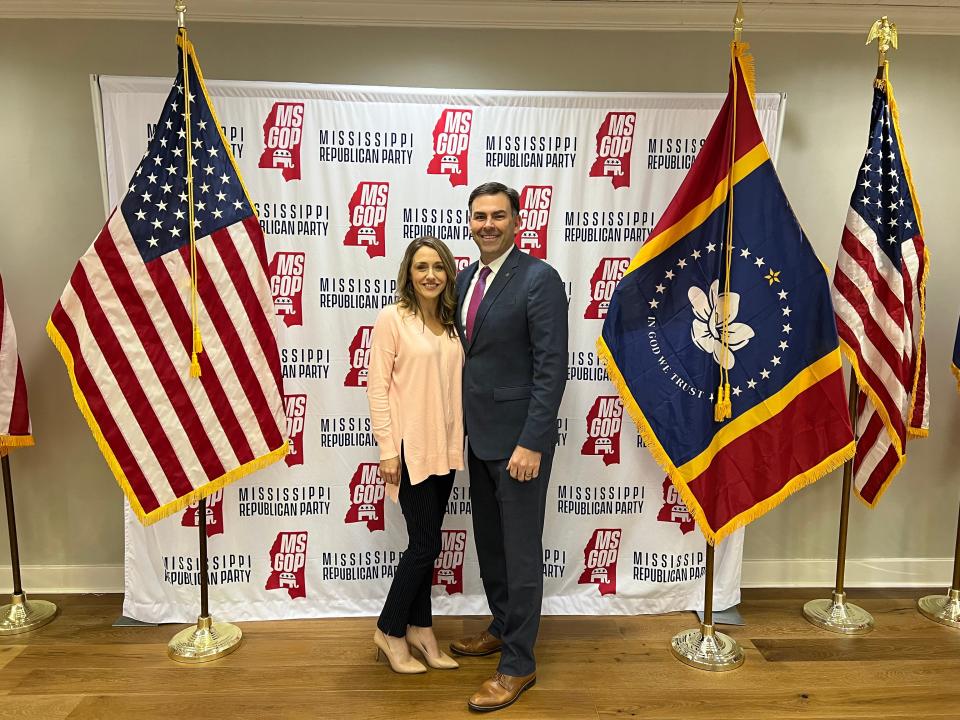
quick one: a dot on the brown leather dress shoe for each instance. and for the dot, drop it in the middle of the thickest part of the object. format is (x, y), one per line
(483, 643)
(500, 691)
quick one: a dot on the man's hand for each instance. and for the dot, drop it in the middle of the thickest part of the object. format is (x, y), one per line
(524, 464)
(390, 470)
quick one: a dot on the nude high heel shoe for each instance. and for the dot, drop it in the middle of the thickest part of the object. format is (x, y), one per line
(410, 666)
(443, 662)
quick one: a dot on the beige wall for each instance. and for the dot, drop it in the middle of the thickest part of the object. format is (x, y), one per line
(69, 508)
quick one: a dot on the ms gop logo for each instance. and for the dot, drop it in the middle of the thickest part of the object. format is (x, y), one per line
(288, 560)
(286, 286)
(603, 429)
(674, 510)
(368, 218)
(535, 201)
(282, 133)
(366, 497)
(214, 514)
(614, 148)
(448, 567)
(602, 284)
(295, 408)
(600, 560)
(359, 357)
(451, 146)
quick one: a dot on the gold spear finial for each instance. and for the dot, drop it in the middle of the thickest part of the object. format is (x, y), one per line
(885, 33)
(738, 22)
(181, 8)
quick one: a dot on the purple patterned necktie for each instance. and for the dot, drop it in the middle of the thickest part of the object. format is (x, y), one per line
(475, 300)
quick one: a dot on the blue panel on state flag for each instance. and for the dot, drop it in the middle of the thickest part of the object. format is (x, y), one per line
(667, 316)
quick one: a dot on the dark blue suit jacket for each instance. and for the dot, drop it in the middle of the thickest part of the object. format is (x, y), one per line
(515, 367)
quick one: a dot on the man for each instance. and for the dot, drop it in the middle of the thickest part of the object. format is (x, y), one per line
(512, 320)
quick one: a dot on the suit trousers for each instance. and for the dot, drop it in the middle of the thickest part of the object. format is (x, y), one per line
(508, 527)
(423, 506)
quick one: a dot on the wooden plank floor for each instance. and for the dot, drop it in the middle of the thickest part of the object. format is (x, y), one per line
(80, 667)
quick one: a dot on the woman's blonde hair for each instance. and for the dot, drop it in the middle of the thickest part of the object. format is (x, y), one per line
(407, 296)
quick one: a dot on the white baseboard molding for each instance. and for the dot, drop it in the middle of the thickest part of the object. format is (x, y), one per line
(869, 572)
(865, 572)
(41, 579)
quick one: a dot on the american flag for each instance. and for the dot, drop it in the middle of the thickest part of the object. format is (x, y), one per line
(879, 298)
(124, 327)
(14, 414)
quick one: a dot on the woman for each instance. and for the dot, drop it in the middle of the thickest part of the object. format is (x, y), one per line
(413, 386)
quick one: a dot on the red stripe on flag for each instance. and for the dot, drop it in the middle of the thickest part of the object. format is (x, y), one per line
(170, 296)
(868, 437)
(156, 352)
(255, 233)
(262, 326)
(754, 467)
(881, 287)
(20, 412)
(101, 413)
(128, 383)
(881, 473)
(917, 419)
(233, 346)
(894, 411)
(876, 334)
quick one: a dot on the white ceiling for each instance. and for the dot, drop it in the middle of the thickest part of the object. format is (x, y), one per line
(929, 17)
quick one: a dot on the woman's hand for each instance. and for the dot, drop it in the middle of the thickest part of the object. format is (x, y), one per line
(390, 470)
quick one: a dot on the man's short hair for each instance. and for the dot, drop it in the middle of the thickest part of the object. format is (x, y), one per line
(495, 188)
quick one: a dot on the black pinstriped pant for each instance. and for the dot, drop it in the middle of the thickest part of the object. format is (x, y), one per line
(423, 506)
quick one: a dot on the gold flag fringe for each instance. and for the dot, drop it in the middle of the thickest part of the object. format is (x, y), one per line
(171, 507)
(713, 536)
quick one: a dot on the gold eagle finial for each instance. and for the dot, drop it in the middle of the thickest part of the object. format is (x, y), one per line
(885, 33)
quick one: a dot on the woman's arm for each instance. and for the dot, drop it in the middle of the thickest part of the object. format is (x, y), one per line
(383, 352)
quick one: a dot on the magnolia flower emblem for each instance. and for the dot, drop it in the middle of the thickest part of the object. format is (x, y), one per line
(708, 323)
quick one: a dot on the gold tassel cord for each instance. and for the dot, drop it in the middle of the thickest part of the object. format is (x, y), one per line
(196, 339)
(723, 409)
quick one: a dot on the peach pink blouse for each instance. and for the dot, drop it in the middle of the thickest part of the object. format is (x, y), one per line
(413, 387)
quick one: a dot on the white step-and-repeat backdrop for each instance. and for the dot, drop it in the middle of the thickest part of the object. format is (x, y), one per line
(344, 178)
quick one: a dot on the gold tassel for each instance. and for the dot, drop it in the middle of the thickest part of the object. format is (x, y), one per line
(194, 366)
(724, 408)
(749, 67)
(197, 342)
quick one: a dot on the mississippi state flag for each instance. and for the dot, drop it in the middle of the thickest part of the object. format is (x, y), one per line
(14, 414)
(170, 344)
(681, 328)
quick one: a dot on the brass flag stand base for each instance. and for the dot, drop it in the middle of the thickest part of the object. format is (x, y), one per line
(21, 615)
(945, 609)
(836, 614)
(705, 648)
(209, 640)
